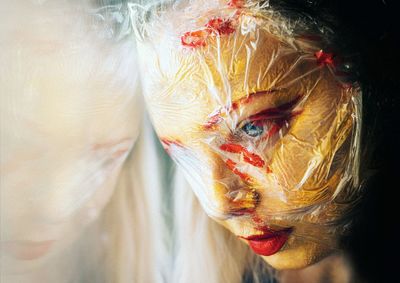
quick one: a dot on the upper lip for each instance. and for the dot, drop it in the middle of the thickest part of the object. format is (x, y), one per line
(267, 233)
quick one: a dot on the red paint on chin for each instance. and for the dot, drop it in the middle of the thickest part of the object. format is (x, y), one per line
(268, 243)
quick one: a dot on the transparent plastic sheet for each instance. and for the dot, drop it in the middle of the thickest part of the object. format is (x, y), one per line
(261, 114)
(74, 200)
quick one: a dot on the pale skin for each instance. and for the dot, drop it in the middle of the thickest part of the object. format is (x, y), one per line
(239, 77)
(69, 119)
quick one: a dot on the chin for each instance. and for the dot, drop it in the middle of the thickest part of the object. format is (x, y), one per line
(297, 254)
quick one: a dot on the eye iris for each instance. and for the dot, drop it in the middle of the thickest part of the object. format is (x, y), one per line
(253, 130)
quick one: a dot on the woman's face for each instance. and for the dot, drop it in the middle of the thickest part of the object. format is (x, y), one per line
(262, 128)
(69, 119)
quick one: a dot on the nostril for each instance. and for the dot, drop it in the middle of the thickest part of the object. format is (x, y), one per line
(242, 201)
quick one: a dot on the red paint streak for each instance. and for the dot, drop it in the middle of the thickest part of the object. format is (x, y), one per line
(269, 170)
(214, 27)
(276, 112)
(166, 143)
(248, 99)
(220, 26)
(248, 156)
(195, 38)
(232, 166)
(236, 3)
(212, 121)
(324, 58)
(257, 219)
(274, 129)
(216, 118)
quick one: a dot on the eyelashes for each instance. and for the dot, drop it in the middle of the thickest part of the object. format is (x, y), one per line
(263, 129)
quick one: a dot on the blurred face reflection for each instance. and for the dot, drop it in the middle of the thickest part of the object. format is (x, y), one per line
(262, 130)
(69, 118)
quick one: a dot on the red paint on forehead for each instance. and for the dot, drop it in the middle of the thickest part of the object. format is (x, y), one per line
(214, 27)
(324, 58)
(221, 26)
(236, 3)
(195, 38)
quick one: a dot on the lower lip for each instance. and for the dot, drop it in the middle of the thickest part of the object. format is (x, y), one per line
(269, 245)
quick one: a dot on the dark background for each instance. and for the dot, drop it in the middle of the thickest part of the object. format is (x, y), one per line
(368, 30)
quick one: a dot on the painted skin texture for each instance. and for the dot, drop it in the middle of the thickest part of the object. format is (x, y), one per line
(261, 126)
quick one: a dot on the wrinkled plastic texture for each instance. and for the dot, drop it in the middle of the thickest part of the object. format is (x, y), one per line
(70, 116)
(260, 113)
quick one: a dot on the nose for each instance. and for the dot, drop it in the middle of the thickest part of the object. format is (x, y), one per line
(233, 190)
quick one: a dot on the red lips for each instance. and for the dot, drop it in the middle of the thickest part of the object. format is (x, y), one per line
(270, 242)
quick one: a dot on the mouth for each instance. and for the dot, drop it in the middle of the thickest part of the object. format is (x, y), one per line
(269, 242)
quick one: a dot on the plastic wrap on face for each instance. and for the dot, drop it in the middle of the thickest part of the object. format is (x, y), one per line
(69, 118)
(261, 114)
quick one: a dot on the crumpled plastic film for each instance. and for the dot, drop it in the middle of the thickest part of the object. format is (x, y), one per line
(70, 116)
(261, 112)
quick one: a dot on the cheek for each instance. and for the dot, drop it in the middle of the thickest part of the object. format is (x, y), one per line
(303, 158)
(52, 197)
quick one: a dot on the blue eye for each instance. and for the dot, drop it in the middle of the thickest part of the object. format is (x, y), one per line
(253, 130)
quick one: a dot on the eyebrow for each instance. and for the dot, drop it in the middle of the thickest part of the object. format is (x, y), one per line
(275, 112)
(216, 118)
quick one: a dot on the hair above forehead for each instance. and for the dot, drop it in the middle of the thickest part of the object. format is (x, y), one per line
(281, 20)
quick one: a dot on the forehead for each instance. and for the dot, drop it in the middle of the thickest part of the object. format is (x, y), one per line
(226, 68)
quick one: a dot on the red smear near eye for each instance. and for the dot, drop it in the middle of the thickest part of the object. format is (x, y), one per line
(216, 118)
(324, 58)
(274, 129)
(248, 156)
(236, 3)
(166, 143)
(276, 112)
(232, 166)
(212, 121)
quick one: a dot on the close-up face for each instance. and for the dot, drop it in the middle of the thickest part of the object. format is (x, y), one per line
(261, 121)
(69, 118)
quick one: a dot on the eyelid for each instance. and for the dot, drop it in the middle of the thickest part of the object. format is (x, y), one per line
(283, 111)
